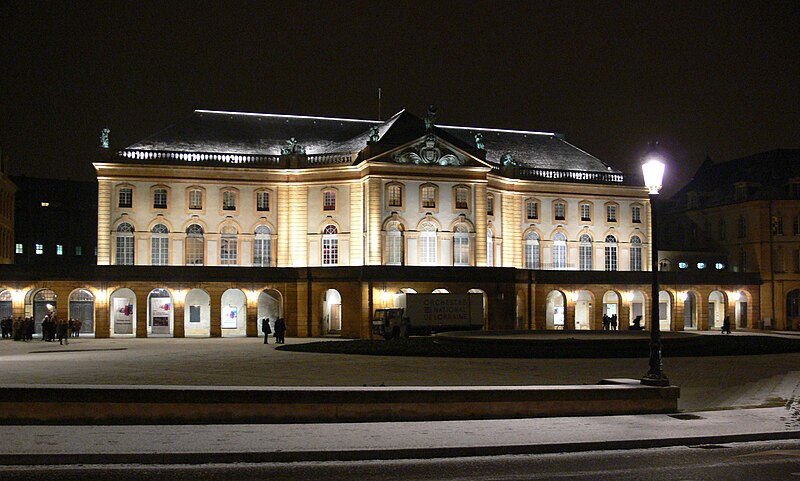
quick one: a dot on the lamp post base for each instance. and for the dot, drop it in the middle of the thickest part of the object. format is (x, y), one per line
(659, 380)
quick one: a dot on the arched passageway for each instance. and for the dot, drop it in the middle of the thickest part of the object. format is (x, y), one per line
(716, 310)
(234, 313)
(554, 315)
(197, 313)
(159, 312)
(583, 310)
(332, 312)
(81, 307)
(270, 306)
(123, 312)
(690, 310)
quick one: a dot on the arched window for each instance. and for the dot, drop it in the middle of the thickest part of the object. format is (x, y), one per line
(262, 247)
(229, 246)
(532, 257)
(489, 248)
(461, 245)
(636, 253)
(394, 244)
(159, 245)
(611, 253)
(428, 254)
(559, 251)
(586, 252)
(195, 245)
(124, 245)
(330, 245)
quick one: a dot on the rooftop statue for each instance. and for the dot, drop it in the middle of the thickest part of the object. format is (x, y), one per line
(508, 160)
(430, 118)
(479, 141)
(293, 148)
(104, 137)
(374, 136)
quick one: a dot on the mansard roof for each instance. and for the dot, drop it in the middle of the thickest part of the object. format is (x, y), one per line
(265, 135)
(771, 168)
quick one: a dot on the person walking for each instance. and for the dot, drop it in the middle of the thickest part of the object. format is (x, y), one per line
(62, 331)
(280, 331)
(726, 325)
(266, 329)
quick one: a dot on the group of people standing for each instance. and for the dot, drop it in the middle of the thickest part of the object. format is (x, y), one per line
(18, 329)
(280, 330)
(53, 328)
(610, 322)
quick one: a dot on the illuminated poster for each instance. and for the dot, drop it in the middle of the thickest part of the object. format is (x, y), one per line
(159, 311)
(229, 317)
(123, 315)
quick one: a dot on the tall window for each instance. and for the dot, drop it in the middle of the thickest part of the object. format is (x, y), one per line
(394, 194)
(636, 214)
(38, 248)
(229, 246)
(532, 210)
(262, 201)
(195, 199)
(742, 227)
(560, 211)
(461, 245)
(429, 197)
(490, 205)
(559, 251)
(330, 245)
(159, 245)
(329, 200)
(636, 253)
(160, 198)
(125, 245)
(195, 245)
(532, 257)
(586, 252)
(489, 248)
(742, 260)
(262, 247)
(461, 198)
(125, 197)
(586, 212)
(611, 213)
(611, 253)
(428, 248)
(228, 200)
(394, 245)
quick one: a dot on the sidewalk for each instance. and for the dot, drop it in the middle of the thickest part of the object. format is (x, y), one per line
(192, 444)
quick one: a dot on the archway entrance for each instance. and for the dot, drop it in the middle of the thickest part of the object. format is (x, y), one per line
(611, 309)
(636, 300)
(44, 303)
(664, 311)
(123, 311)
(485, 308)
(555, 310)
(716, 310)
(81, 307)
(197, 313)
(269, 306)
(6, 305)
(583, 310)
(234, 314)
(159, 316)
(740, 310)
(332, 312)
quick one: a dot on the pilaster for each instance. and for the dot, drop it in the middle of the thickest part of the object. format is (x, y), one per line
(374, 216)
(282, 240)
(103, 222)
(357, 224)
(512, 231)
(480, 225)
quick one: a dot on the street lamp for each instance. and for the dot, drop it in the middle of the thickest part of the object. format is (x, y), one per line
(653, 170)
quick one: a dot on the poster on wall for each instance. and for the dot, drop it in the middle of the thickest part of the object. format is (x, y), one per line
(230, 316)
(159, 311)
(123, 316)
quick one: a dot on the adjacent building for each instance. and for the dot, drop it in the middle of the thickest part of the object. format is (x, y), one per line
(7, 192)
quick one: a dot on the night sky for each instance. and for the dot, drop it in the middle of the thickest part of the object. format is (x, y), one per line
(703, 78)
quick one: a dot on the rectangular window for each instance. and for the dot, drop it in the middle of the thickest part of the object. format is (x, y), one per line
(39, 249)
(229, 251)
(125, 197)
(560, 211)
(329, 200)
(742, 227)
(59, 250)
(586, 212)
(429, 197)
(330, 250)
(229, 200)
(262, 201)
(636, 214)
(19, 249)
(777, 225)
(461, 199)
(532, 210)
(159, 199)
(395, 193)
(490, 205)
(394, 248)
(427, 248)
(159, 253)
(195, 199)
(611, 213)
(78, 250)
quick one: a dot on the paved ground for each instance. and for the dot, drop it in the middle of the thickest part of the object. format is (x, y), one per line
(706, 383)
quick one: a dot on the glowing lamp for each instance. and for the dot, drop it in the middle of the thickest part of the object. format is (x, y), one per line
(653, 171)
(735, 296)
(683, 296)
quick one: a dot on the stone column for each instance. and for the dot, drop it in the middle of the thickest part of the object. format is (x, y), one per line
(142, 301)
(215, 295)
(480, 225)
(374, 215)
(298, 226)
(512, 231)
(103, 222)
(357, 224)
(251, 328)
(179, 314)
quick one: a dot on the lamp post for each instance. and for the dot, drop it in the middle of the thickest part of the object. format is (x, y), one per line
(653, 170)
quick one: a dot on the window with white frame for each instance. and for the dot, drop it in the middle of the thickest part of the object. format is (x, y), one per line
(159, 198)
(461, 194)
(490, 205)
(228, 200)
(262, 247)
(532, 257)
(559, 251)
(611, 253)
(461, 245)
(532, 210)
(329, 200)
(636, 253)
(428, 197)
(229, 246)
(611, 213)
(559, 210)
(38, 249)
(586, 212)
(428, 244)
(636, 214)
(394, 244)
(159, 245)
(330, 245)
(78, 250)
(124, 256)
(585, 253)
(742, 260)
(394, 195)
(195, 245)
(125, 197)
(196, 199)
(262, 201)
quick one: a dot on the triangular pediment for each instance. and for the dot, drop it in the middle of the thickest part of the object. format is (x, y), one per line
(430, 150)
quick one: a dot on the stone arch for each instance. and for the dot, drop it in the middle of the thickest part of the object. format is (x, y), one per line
(270, 306)
(691, 309)
(612, 304)
(159, 219)
(332, 312)
(584, 307)
(717, 308)
(233, 304)
(555, 310)
(81, 307)
(197, 313)
(743, 310)
(39, 303)
(160, 312)
(666, 299)
(122, 307)
(195, 220)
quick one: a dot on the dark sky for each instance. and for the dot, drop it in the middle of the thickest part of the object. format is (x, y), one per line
(703, 78)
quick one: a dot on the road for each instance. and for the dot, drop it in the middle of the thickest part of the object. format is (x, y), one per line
(756, 461)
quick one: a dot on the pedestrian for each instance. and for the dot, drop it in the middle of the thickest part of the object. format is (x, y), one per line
(614, 322)
(605, 322)
(280, 331)
(62, 331)
(726, 325)
(266, 329)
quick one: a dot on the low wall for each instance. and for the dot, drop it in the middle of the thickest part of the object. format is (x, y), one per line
(70, 404)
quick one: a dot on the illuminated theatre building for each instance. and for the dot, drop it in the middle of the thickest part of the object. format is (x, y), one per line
(225, 218)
